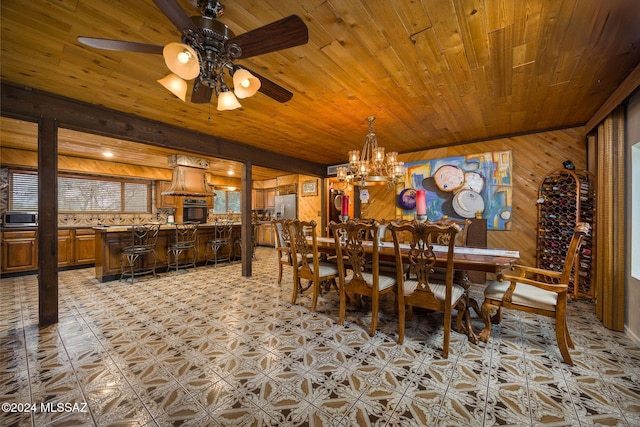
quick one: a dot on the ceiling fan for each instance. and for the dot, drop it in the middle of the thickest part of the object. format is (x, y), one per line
(208, 51)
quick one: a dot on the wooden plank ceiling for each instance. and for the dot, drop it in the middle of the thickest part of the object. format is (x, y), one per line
(433, 72)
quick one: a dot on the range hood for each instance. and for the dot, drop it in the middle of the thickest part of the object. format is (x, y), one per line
(189, 177)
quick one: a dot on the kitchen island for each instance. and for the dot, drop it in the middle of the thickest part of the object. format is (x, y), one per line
(109, 241)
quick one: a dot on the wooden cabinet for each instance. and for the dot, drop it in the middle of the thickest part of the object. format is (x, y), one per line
(270, 198)
(257, 199)
(65, 248)
(84, 246)
(19, 251)
(287, 189)
(566, 197)
(265, 235)
(165, 201)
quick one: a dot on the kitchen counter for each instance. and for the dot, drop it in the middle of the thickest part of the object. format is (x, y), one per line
(109, 241)
(121, 228)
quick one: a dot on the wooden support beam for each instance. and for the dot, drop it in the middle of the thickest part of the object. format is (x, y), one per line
(83, 117)
(247, 224)
(47, 221)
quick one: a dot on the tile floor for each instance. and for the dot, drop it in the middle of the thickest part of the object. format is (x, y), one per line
(211, 348)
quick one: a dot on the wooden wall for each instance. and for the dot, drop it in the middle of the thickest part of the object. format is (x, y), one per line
(534, 156)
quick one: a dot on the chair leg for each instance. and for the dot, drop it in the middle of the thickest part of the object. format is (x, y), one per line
(316, 292)
(401, 319)
(562, 343)
(279, 272)
(343, 305)
(296, 286)
(447, 336)
(375, 307)
(485, 312)
(155, 263)
(562, 337)
(566, 333)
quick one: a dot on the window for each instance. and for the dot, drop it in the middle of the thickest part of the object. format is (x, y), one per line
(226, 201)
(82, 194)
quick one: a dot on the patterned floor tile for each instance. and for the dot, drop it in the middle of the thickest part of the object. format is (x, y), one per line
(223, 350)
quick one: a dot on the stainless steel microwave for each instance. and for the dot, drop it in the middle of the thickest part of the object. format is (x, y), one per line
(20, 219)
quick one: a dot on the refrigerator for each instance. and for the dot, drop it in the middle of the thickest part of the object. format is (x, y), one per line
(286, 207)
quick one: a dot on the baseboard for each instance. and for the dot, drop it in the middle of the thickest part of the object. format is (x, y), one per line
(632, 336)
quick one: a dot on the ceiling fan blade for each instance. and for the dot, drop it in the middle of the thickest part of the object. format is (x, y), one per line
(121, 45)
(285, 33)
(201, 93)
(176, 15)
(271, 89)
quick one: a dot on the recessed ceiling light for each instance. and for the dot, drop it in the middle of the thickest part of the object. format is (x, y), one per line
(230, 172)
(107, 153)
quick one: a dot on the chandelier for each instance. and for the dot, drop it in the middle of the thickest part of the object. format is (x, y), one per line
(370, 166)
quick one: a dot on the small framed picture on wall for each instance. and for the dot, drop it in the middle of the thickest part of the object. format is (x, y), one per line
(310, 188)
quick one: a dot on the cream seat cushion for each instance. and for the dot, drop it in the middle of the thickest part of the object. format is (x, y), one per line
(438, 289)
(526, 295)
(325, 269)
(384, 281)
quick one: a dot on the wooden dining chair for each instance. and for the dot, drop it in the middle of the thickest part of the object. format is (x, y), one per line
(417, 287)
(358, 267)
(461, 236)
(537, 291)
(309, 266)
(283, 245)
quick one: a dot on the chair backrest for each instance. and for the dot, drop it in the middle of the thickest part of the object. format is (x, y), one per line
(222, 230)
(281, 229)
(420, 255)
(461, 237)
(186, 232)
(145, 234)
(306, 251)
(349, 237)
(581, 229)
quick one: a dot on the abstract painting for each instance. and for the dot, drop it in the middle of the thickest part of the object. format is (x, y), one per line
(476, 185)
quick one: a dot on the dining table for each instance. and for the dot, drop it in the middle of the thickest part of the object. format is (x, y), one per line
(465, 259)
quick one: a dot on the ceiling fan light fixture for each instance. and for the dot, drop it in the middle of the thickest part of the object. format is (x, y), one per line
(227, 101)
(245, 84)
(175, 85)
(182, 60)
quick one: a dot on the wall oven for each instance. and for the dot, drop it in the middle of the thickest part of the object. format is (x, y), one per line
(194, 210)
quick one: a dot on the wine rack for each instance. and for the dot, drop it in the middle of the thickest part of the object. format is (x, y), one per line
(566, 197)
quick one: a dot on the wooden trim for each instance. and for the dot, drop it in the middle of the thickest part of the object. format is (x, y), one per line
(83, 117)
(628, 86)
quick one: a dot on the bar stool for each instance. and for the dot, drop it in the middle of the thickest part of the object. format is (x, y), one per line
(143, 243)
(221, 239)
(237, 243)
(185, 240)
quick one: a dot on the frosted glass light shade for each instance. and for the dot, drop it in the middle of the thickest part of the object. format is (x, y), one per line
(227, 101)
(182, 60)
(245, 84)
(175, 84)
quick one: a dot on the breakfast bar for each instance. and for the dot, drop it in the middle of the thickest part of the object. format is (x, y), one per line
(111, 239)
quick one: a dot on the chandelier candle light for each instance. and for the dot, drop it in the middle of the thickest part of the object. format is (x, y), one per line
(370, 166)
(421, 205)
